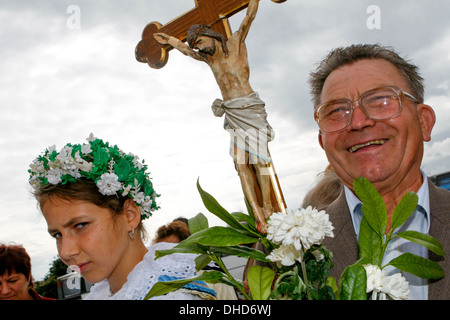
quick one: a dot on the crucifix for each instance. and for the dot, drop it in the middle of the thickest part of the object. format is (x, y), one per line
(213, 13)
(245, 115)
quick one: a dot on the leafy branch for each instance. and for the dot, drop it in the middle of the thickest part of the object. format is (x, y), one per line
(374, 239)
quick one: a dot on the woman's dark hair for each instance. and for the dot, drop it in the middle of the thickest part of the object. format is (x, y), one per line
(14, 258)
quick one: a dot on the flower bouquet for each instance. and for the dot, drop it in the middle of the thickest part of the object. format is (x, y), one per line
(290, 261)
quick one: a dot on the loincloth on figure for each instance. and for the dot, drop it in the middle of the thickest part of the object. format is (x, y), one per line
(246, 121)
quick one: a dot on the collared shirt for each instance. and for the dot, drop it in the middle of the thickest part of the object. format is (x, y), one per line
(418, 221)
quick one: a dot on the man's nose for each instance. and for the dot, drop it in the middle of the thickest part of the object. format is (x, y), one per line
(360, 118)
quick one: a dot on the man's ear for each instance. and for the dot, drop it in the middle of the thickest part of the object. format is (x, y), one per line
(427, 120)
(319, 137)
(132, 212)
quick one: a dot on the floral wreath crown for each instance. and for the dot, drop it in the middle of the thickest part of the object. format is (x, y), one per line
(113, 171)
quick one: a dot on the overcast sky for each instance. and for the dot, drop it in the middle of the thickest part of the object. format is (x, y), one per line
(59, 83)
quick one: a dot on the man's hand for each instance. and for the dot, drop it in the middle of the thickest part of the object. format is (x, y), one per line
(162, 38)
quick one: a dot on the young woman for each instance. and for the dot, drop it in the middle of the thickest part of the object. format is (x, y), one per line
(94, 198)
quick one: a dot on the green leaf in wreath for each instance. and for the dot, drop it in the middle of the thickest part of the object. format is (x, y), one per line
(424, 240)
(260, 280)
(418, 266)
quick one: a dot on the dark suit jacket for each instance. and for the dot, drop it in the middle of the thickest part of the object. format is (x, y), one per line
(344, 245)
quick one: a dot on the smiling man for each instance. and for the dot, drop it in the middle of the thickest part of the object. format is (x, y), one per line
(373, 123)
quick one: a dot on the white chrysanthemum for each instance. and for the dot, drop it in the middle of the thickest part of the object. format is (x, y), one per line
(285, 255)
(380, 284)
(302, 228)
(109, 184)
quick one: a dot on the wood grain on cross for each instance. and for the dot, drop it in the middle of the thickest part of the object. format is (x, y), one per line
(213, 13)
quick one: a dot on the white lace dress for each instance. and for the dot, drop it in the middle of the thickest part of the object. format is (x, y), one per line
(149, 271)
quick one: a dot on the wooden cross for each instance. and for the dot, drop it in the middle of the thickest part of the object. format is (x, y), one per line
(213, 13)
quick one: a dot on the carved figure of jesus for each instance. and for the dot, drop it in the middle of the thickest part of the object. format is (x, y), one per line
(245, 115)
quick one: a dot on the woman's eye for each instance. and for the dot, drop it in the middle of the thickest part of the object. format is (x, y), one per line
(57, 235)
(80, 225)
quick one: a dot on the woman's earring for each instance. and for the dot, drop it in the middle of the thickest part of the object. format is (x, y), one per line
(131, 234)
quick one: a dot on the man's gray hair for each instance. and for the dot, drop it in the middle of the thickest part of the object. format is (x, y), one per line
(347, 55)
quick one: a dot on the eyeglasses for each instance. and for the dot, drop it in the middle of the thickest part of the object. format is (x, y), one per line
(377, 104)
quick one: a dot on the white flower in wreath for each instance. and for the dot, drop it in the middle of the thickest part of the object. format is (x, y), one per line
(54, 175)
(383, 286)
(139, 197)
(109, 184)
(82, 164)
(126, 190)
(137, 164)
(34, 182)
(86, 148)
(37, 166)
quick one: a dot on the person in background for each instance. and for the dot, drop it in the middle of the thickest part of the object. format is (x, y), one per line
(326, 190)
(173, 232)
(16, 281)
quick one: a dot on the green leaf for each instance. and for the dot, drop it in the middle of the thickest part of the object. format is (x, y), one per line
(260, 281)
(240, 251)
(182, 247)
(353, 283)
(164, 287)
(198, 223)
(404, 210)
(370, 243)
(331, 282)
(202, 261)
(221, 237)
(122, 169)
(244, 217)
(374, 208)
(417, 266)
(215, 208)
(424, 240)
